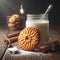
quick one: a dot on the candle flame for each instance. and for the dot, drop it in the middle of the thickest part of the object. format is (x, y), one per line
(22, 10)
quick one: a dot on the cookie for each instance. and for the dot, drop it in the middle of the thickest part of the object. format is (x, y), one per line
(28, 38)
(11, 25)
(15, 21)
(13, 18)
(18, 23)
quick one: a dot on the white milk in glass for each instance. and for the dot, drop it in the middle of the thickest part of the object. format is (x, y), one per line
(41, 25)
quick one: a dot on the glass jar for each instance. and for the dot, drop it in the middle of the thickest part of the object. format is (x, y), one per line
(42, 25)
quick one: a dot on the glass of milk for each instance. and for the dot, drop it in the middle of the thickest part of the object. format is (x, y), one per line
(41, 24)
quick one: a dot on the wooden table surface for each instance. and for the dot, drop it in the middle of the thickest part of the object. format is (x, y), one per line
(54, 32)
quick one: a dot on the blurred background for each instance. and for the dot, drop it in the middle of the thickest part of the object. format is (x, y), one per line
(9, 7)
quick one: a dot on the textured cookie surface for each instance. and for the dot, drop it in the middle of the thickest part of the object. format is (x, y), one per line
(13, 18)
(29, 38)
(14, 21)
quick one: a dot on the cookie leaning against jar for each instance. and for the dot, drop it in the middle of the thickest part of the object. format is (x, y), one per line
(28, 38)
(14, 21)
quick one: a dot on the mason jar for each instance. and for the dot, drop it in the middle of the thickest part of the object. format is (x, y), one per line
(41, 24)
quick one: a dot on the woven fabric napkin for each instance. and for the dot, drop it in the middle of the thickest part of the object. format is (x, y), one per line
(28, 55)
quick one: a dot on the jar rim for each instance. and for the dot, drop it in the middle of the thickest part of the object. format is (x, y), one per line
(35, 15)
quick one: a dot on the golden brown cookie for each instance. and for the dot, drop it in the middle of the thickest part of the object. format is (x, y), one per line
(28, 38)
(18, 23)
(15, 21)
(11, 25)
(14, 17)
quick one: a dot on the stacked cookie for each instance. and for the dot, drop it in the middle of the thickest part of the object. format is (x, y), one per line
(14, 21)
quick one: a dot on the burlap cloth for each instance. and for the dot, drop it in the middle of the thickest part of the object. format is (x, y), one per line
(26, 55)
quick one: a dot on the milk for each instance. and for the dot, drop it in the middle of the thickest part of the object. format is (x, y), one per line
(41, 25)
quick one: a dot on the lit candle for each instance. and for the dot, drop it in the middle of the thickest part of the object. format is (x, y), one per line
(22, 16)
(21, 9)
